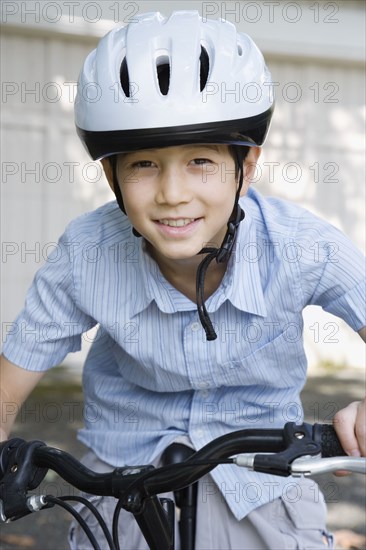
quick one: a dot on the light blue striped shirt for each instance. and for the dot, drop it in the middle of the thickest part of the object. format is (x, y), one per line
(151, 376)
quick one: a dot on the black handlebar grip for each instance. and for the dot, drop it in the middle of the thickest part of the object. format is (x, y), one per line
(6, 448)
(326, 435)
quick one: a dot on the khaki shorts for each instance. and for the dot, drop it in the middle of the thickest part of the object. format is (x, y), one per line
(284, 523)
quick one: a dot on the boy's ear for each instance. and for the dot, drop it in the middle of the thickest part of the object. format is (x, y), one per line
(249, 167)
(107, 167)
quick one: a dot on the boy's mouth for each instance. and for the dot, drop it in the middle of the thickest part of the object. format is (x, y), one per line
(177, 227)
(179, 222)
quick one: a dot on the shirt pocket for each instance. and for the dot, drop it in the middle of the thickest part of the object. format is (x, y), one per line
(280, 363)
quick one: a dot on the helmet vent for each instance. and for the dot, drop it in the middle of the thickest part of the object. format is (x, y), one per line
(204, 68)
(163, 73)
(125, 80)
(240, 50)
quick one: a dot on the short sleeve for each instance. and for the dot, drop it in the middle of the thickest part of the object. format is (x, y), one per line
(332, 271)
(51, 323)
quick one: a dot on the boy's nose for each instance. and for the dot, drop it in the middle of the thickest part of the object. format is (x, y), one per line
(173, 188)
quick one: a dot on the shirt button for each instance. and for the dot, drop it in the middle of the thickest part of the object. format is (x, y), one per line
(203, 385)
(195, 326)
(204, 393)
(200, 433)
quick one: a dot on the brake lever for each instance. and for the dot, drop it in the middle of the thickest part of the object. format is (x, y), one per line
(309, 466)
(310, 450)
(19, 476)
(298, 440)
(305, 466)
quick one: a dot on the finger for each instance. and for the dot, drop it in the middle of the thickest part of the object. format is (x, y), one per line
(342, 473)
(360, 427)
(345, 426)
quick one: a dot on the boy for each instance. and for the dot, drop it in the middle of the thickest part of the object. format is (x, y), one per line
(195, 338)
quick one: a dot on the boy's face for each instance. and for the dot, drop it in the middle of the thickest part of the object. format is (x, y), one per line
(180, 198)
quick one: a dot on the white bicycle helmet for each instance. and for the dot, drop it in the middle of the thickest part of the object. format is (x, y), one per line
(159, 81)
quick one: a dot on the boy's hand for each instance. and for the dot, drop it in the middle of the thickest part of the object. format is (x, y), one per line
(3, 435)
(350, 426)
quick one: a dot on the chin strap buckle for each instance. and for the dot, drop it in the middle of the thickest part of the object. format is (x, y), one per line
(227, 245)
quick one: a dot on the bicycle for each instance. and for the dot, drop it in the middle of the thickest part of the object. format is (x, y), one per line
(295, 450)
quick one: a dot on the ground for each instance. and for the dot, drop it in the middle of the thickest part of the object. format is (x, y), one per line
(53, 414)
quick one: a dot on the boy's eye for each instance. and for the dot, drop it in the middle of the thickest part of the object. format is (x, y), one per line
(143, 164)
(201, 161)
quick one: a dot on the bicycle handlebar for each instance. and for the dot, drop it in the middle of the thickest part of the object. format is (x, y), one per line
(23, 466)
(119, 480)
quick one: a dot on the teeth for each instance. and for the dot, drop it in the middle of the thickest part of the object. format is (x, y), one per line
(177, 223)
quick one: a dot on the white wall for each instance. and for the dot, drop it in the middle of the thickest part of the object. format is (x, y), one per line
(314, 154)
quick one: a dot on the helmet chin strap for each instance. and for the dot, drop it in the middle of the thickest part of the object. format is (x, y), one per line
(117, 191)
(221, 254)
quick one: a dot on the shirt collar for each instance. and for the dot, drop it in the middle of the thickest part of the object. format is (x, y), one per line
(241, 284)
(151, 286)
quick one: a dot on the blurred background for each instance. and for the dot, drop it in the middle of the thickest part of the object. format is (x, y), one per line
(314, 154)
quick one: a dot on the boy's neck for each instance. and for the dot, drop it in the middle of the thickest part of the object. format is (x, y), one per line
(182, 273)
